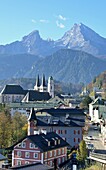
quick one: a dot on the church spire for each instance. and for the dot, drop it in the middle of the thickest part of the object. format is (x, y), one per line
(37, 85)
(37, 82)
(32, 115)
(43, 81)
(43, 87)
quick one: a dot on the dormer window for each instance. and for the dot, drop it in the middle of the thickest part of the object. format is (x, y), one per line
(55, 121)
(23, 145)
(19, 145)
(35, 146)
(31, 145)
(67, 116)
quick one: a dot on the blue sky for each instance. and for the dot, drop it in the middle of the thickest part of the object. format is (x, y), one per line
(51, 17)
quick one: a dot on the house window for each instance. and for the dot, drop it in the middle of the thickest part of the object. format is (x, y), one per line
(58, 131)
(12, 98)
(54, 152)
(19, 153)
(18, 162)
(55, 131)
(61, 132)
(65, 131)
(45, 154)
(62, 150)
(58, 151)
(50, 153)
(78, 139)
(23, 145)
(74, 139)
(59, 160)
(75, 132)
(31, 145)
(62, 159)
(50, 163)
(78, 131)
(27, 154)
(35, 155)
(26, 162)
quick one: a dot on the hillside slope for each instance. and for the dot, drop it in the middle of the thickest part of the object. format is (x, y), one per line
(69, 66)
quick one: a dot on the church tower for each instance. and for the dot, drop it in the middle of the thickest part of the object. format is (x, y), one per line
(37, 85)
(32, 122)
(51, 86)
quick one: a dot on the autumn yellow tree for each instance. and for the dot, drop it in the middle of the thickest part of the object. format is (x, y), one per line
(12, 128)
(5, 130)
(19, 128)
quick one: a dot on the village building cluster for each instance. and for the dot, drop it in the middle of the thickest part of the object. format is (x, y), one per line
(54, 123)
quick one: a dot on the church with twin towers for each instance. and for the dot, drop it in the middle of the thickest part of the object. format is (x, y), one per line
(43, 86)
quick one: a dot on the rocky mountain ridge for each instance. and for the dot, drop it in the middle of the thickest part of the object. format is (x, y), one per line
(79, 37)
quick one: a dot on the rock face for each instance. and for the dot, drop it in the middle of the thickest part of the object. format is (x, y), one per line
(30, 44)
(79, 37)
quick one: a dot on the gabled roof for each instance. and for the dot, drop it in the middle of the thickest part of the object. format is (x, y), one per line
(57, 99)
(41, 140)
(34, 95)
(63, 112)
(13, 89)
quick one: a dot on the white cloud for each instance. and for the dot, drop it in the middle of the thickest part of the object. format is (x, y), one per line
(60, 25)
(33, 20)
(61, 17)
(44, 21)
